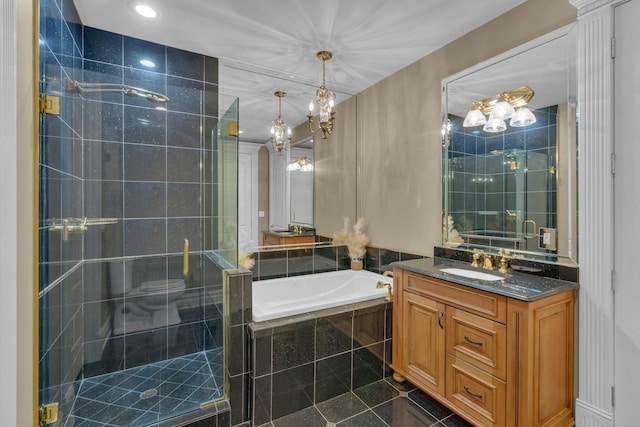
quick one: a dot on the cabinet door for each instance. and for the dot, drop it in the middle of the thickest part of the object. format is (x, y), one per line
(423, 341)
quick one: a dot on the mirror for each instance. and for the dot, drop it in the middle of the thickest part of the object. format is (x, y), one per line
(512, 183)
(286, 197)
(300, 172)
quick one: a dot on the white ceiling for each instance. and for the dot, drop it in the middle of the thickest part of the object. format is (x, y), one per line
(266, 46)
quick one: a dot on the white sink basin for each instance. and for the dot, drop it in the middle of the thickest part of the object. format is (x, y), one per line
(471, 274)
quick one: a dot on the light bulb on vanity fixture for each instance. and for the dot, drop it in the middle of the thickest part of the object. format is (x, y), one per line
(280, 132)
(523, 117)
(500, 108)
(326, 101)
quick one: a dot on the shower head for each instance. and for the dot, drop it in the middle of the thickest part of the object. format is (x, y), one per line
(81, 87)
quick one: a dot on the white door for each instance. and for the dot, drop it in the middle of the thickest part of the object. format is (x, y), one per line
(247, 196)
(278, 190)
(627, 214)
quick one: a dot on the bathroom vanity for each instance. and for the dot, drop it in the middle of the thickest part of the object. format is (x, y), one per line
(498, 352)
(286, 237)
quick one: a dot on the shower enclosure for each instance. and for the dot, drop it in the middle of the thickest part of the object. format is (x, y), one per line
(137, 222)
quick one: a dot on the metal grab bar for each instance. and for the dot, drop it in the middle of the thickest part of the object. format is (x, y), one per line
(76, 225)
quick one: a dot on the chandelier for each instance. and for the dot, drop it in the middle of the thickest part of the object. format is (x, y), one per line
(325, 100)
(280, 133)
(500, 108)
(303, 164)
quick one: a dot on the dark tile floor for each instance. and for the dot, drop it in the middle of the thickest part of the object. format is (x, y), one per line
(384, 403)
(146, 395)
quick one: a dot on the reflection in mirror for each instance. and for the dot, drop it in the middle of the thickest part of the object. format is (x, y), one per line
(283, 198)
(300, 172)
(509, 152)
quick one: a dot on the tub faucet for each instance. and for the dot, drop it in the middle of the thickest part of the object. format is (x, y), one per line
(389, 292)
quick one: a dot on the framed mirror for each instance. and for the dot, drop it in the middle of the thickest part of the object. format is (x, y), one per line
(509, 176)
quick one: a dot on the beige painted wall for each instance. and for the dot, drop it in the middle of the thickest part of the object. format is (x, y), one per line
(335, 172)
(398, 132)
(26, 346)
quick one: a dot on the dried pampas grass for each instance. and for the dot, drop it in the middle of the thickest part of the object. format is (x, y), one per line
(246, 260)
(353, 237)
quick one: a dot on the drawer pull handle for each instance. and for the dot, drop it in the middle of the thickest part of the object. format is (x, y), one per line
(470, 341)
(476, 395)
(440, 320)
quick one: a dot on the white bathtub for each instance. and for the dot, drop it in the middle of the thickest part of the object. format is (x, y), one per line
(275, 298)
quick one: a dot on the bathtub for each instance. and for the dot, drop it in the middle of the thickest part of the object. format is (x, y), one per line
(287, 296)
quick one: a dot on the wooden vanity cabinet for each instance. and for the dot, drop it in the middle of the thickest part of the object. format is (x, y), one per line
(272, 239)
(494, 360)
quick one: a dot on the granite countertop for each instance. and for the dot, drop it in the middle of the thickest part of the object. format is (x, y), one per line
(521, 286)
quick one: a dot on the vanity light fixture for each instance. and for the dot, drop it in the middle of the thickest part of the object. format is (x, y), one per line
(499, 108)
(326, 101)
(303, 164)
(280, 132)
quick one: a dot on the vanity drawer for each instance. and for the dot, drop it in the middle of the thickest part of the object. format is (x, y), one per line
(480, 342)
(476, 393)
(476, 301)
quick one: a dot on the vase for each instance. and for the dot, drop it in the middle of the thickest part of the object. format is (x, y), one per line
(356, 264)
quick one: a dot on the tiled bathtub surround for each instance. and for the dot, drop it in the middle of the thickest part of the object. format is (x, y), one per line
(272, 264)
(238, 292)
(300, 361)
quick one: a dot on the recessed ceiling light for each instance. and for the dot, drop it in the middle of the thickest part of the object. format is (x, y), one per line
(146, 11)
(240, 131)
(147, 63)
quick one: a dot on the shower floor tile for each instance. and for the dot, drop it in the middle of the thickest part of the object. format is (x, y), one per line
(145, 395)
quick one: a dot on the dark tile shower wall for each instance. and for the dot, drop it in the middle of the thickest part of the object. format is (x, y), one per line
(147, 163)
(150, 166)
(200, 310)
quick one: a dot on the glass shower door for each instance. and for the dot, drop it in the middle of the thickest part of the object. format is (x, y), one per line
(131, 324)
(224, 141)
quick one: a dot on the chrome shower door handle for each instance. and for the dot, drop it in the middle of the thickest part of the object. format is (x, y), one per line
(525, 229)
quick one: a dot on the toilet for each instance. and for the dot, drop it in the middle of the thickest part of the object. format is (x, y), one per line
(151, 305)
